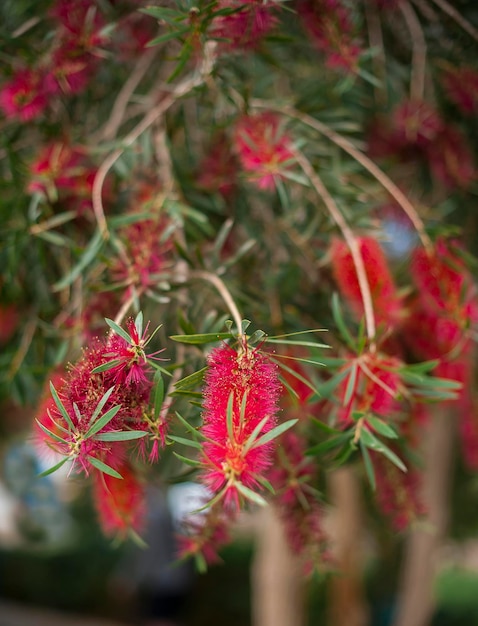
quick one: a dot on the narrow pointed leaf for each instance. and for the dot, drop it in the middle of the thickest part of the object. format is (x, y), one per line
(370, 441)
(184, 459)
(255, 433)
(200, 338)
(50, 433)
(104, 399)
(61, 407)
(54, 468)
(250, 495)
(106, 469)
(102, 421)
(120, 435)
(185, 442)
(106, 366)
(350, 389)
(119, 331)
(368, 466)
(158, 394)
(381, 427)
(275, 432)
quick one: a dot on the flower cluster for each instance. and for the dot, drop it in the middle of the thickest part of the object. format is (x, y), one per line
(263, 147)
(240, 406)
(246, 26)
(329, 25)
(101, 406)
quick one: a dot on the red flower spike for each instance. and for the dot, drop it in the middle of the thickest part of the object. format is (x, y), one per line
(244, 28)
(416, 123)
(264, 150)
(461, 87)
(120, 502)
(329, 26)
(244, 383)
(451, 160)
(25, 96)
(387, 304)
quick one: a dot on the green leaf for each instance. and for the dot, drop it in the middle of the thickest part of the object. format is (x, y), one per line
(329, 444)
(381, 427)
(106, 366)
(368, 466)
(54, 468)
(340, 323)
(61, 407)
(296, 375)
(265, 483)
(50, 433)
(106, 469)
(120, 435)
(185, 442)
(250, 495)
(292, 342)
(230, 417)
(274, 433)
(325, 427)
(102, 421)
(201, 338)
(326, 389)
(350, 389)
(138, 322)
(370, 441)
(99, 407)
(184, 459)
(173, 34)
(119, 331)
(193, 380)
(89, 255)
(171, 16)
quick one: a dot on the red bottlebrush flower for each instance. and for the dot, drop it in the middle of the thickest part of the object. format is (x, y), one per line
(416, 123)
(398, 493)
(461, 87)
(47, 409)
(376, 387)
(244, 28)
(264, 150)
(218, 170)
(451, 160)
(203, 536)
(25, 96)
(246, 381)
(70, 69)
(387, 304)
(120, 503)
(329, 25)
(81, 21)
(148, 247)
(9, 319)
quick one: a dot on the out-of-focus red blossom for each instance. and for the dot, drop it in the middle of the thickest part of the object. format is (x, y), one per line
(204, 536)
(63, 173)
(263, 148)
(71, 70)
(387, 304)
(247, 27)
(148, 250)
(133, 33)
(26, 95)
(376, 387)
(218, 169)
(416, 123)
(82, 21)
(461, 87)
(85, 389)
(252, 379)
(9, 318)
(120, 503)
(398, 493)
(451, 160)
(329, 25)
(445, 307)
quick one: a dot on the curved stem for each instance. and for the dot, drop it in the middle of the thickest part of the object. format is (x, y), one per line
(361, 158)
(180, 90)
(225, 295)
(419, 51)
(447, 8)
(350, 239)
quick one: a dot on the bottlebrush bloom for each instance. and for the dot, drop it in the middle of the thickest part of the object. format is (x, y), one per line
(218, 169)
(263, 148)
(244, 383)
(329, 25)
(203, 536)
(416, 123)
(9, 320)
(376, 386)
(387, 304)
(451, 160)
(148, 248)
(81, 22)
(244, 28)
(461, 87)
(398, 493)
(120, 503)
(25, 96)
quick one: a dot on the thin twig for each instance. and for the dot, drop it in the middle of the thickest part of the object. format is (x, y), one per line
(224, 292)
(361, 158)
(23, 348)
(419, 51)
(125, 307)
(350, 239)
(109, 130)
(375, 37)
(459, 19)
(184, 87)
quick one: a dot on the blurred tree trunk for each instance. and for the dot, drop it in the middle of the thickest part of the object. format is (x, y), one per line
(278, 583)
(347, 606)
(416, 601)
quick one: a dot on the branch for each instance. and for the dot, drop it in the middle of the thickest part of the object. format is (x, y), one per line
(459, 19)
(361, 158)
(225, 294)
(419, 51)
(184, 87)
(349, 237)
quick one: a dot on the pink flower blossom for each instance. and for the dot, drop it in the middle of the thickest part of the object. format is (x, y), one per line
(248, 379)
(244, 28)
(263, 148)
(25, 96)
(461, 87)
